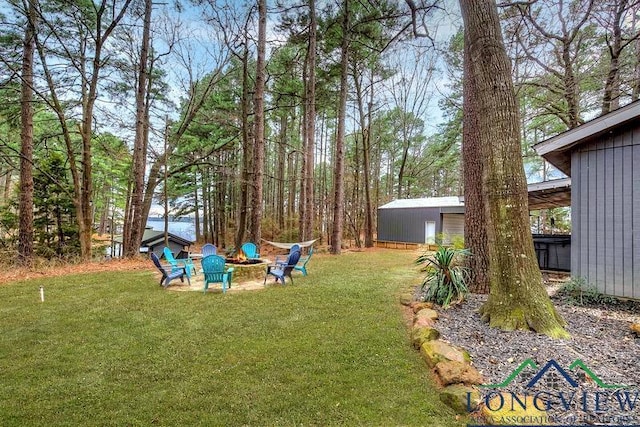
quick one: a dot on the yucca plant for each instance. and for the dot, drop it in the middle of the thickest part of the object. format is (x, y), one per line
(446, 279)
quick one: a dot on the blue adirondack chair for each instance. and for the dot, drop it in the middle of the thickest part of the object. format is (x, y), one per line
(283, 270)
(177, 264)
(250, 250)
(282, 259)
(214, 271)
(302, 263)
(168, 276)
(209, 249)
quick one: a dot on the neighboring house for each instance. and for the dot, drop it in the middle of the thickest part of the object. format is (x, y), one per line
(426, 220)
(602, 157)
(153, 241)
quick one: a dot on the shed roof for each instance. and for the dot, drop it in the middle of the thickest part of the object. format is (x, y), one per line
(557, 150)
(426, 202)
(152, 237)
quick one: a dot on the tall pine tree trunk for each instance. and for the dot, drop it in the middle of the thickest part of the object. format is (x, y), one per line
(134, 237)
(338, 176)
(475, 231)
(246, 154)
(196, 202)
(280, 170)
(517, 297)
(366, 153)
(25, 234)
(310, 128)
(258, 155)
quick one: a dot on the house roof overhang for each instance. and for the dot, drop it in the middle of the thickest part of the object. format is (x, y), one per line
(557, 150)
(550, 194)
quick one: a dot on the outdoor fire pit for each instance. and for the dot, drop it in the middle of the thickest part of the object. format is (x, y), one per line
(247, 269)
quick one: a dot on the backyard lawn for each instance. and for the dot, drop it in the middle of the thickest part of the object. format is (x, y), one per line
(116, 349)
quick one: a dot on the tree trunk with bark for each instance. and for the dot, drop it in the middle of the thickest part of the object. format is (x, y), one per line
(134, 237)
(246, 154)
(196, 202)
(475, 231)
(310, 128)
(338, 176)
(280, 170)
(25, 206)
(258, 155)
(517, 297)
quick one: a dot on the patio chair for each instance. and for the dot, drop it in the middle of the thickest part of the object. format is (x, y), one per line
(282, 259)
(250, 250)
(214, 271)
(187, 263)
(283, 270)
(209, 249)
(168, 276)
(302, 263)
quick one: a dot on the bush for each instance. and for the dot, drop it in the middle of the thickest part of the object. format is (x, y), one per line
(578, 292)
(446, 279)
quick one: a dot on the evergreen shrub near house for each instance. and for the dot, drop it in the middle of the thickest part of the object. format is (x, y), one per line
(446, 279)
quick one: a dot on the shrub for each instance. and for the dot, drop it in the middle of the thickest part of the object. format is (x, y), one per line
(446, 279)
(578, 292)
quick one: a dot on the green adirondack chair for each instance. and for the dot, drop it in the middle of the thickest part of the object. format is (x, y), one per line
(302, 263)
(177, 264)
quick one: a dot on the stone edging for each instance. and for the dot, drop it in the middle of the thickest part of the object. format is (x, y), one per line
(450, 365)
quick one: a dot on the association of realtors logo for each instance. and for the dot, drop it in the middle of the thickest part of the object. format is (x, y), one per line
(556, 396)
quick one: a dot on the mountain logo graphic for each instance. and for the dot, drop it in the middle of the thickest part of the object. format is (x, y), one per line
(552, 365)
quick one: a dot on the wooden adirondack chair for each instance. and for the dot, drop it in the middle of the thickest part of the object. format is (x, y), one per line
(213, 268)
(168, 273)
(283, 270)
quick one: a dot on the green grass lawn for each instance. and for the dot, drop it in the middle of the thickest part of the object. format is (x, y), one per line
(116, 349)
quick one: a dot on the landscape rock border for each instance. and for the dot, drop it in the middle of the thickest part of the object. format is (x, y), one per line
(452, 368)
(450, 365)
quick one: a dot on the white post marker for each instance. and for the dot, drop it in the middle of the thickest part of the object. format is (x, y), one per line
(41, 293)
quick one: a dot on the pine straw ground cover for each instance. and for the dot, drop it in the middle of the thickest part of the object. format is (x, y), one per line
(600, 337)
(111, 347)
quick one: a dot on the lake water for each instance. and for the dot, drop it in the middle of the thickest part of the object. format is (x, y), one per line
(184, 229)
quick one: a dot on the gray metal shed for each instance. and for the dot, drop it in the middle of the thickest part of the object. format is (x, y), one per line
(421, 220)
(602, 157)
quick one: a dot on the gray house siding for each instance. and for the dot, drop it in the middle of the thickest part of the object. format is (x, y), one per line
(406, 224)
(606, 213)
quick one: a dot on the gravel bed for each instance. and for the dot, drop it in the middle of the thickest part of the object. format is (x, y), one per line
(600, 337)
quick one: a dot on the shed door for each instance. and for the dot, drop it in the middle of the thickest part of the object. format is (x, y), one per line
(430, 232)
(452, 227)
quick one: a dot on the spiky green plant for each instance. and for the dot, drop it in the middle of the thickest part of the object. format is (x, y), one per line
(446, 279)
